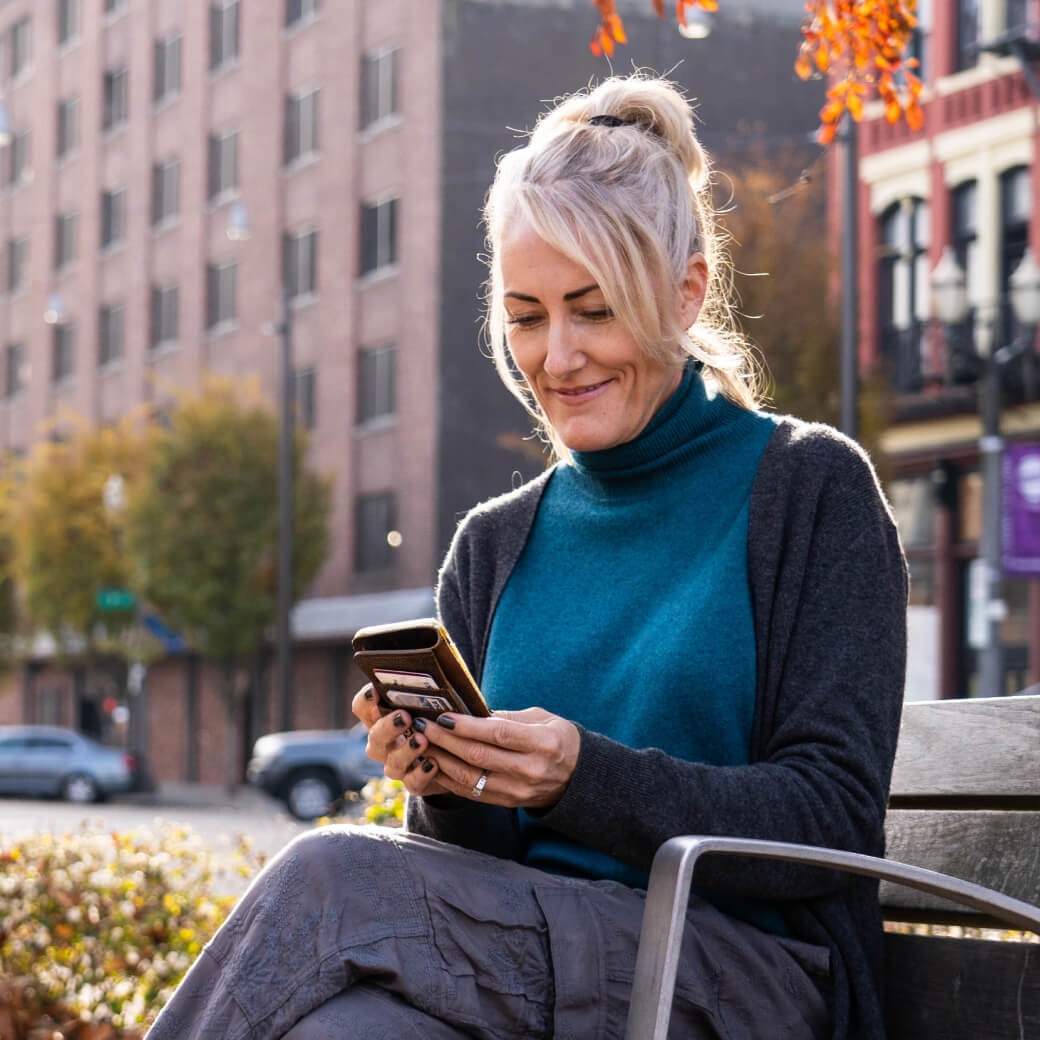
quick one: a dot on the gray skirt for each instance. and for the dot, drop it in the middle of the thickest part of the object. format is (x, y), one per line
(358, 932)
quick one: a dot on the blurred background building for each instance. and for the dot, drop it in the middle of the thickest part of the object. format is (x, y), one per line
(173, 167)
(964, 379)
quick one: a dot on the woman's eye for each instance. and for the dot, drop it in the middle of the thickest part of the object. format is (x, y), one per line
(600, 314)
(522, 319)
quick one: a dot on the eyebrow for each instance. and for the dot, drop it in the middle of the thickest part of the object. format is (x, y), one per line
(576, 294)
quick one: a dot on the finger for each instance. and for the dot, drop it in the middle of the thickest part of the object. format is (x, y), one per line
(365, 706)
(404, 754)
(383, 736)
(453, 732)
(423, 779)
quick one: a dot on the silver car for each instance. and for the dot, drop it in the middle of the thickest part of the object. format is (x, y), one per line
(50, 761)
(311, 770)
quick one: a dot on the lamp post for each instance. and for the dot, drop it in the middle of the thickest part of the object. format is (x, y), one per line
(238, 230)
(950, 300)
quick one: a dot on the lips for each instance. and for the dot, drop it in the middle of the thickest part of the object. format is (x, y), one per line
(580, 392)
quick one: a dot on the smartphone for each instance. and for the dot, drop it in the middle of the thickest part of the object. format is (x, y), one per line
(414, 665)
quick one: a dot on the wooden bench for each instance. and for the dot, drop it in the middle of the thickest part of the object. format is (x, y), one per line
(963, 824)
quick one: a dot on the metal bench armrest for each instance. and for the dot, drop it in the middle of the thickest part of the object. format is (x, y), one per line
(668, 894)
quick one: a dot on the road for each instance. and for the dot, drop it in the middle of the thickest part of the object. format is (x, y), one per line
(217, 820)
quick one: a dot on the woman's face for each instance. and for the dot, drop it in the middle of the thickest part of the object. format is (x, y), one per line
(596, 385)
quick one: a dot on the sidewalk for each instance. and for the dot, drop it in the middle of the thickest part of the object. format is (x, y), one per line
(184, 795)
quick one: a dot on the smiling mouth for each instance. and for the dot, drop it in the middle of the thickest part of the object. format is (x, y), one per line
(580, 391)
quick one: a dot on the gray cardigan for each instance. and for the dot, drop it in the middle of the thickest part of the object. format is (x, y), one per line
(829, 591)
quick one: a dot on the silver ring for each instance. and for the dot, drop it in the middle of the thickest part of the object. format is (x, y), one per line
(478, 787)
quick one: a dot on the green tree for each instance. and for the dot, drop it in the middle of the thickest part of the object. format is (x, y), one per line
(203, 532)
(775, 214)
(67, 538)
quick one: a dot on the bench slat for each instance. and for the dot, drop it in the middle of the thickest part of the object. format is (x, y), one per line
(1000, 850)
(986, 747)
(961, 989)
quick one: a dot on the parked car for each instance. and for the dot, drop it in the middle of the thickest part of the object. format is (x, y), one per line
(51, 761)
(311, 770)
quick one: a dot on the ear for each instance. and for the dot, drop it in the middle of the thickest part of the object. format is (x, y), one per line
(692, 289)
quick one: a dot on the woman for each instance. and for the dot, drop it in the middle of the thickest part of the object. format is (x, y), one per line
(707, 604)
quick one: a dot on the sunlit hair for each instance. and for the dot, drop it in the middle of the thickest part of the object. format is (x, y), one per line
(631, 204)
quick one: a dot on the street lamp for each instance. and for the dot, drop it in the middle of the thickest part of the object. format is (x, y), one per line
(950, 300)
(238, 231)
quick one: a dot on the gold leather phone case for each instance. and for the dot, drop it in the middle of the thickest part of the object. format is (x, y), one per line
(415, 666)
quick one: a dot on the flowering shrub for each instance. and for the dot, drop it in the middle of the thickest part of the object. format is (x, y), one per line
(100, 927)
(385, 802)
(105, 924)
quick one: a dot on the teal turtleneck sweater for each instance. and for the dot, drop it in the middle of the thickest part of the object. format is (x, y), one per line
(629, 610)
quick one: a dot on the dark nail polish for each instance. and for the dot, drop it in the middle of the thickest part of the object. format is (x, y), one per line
(399, 720)
(427, 766)
(369, 695)
(414, 743)
(420, 725)
(446, 721)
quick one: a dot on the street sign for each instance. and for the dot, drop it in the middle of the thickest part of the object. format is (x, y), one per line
(116, 599)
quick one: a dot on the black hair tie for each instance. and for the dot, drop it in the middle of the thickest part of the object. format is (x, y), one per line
(609, 121)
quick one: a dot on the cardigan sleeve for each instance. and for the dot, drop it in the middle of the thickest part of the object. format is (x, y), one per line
(829, 590)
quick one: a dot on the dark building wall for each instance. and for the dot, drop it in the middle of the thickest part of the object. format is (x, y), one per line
(502, 62)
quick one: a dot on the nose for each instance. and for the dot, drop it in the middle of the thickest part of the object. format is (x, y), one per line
(562, 356)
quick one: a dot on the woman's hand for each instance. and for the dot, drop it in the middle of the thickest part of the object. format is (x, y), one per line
(527, 757)
(392, 740)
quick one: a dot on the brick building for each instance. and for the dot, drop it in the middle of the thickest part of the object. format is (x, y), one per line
(357, 138)
(966, 183)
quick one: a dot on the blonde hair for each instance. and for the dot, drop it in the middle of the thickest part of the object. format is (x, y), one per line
(628, 197)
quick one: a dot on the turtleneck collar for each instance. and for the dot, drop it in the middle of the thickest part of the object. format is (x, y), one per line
(677, 428)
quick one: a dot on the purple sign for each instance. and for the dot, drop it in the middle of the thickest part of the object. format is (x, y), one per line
(1021, 527)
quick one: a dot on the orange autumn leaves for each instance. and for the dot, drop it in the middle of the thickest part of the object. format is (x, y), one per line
(860, 45)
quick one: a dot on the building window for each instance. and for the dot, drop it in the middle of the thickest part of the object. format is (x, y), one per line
(964, 230)
(223, 164)
(378, 235)
(68, 21)
(110, 334)
(223, 33)
(167, 69)
(63, 351)
(298, 10)
(304, 383)
(301, 125)
(379, 99)
(376, 383)
(220, 296)
(375, 518)
(17, 259)
(967, 34)
(903, 292)
(1017, 15)
(918, 49)
(163, 317)
(68, 126)
(14, 368)
(300, 263)
(113, 217)
(1015, 206)
(166, 190)
(18, 157)
(112, 6)
(66, 228)
(116, 99)
(20, 46)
